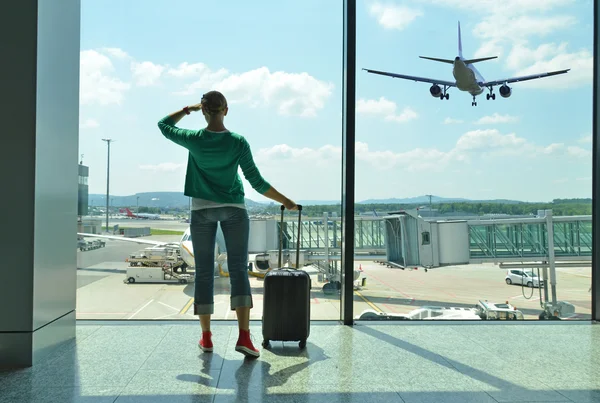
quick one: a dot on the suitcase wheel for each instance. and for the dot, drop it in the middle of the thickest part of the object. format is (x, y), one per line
(266, 343)
(302, 343)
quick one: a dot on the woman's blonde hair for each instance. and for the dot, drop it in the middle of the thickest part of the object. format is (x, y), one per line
(213, 102)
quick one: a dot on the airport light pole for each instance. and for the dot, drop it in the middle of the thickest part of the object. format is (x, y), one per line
(430, 212)
(108, 141)
(137, 210)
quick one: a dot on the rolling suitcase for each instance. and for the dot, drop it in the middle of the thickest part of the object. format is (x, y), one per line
(286, 304)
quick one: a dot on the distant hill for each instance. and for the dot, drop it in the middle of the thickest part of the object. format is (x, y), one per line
(178, 200)
(152, 199)
(318, 202)
(434, 199)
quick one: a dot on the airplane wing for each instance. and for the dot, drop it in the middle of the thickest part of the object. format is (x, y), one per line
(522, 78)
(413, 78)
(120, 238)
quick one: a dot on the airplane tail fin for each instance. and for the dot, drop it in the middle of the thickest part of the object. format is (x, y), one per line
(435, 59)
(459, 42)
(482, 59)
(460, 54)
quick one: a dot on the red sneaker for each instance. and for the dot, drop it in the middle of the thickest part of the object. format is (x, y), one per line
(244, 345)
(206, 342)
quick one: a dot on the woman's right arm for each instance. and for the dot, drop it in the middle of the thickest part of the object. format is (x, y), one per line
(273, 194)
(258, 183)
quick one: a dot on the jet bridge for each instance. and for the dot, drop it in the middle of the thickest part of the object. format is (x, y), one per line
(414, 241)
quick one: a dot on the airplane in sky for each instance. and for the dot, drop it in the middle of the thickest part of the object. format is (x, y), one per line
(468, 79)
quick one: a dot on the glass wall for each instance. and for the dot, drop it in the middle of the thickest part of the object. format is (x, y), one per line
(279, 68)
(462, 211)
(478, 184)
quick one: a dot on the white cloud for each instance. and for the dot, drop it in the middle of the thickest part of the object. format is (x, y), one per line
(186, 70)
(386, 108)
(163, 167)
(292, 93)
(146, 73)
(497, 118)
(586, 139)
(502, 27)
(472, 144)
(117, 53)
(449, 121)
(477, 140)
(393, 16)
(552, 58)
(579, 152)
(378, 165)
(511, 24)
(98, 84)
(510, 7)
(89, 124)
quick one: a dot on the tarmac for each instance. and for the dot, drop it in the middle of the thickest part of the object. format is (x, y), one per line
(103, 294)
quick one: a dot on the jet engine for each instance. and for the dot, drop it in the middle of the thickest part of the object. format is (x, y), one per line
(505, 91)
(435, 91)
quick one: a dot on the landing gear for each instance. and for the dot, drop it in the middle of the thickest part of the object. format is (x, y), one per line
(445, 95)
(474, 103)
(491, 94)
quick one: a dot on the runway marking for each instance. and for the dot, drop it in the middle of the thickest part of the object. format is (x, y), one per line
(521, 296)
(168, 306)
(165, 316)
(187, 306)
(102, 313)
(367, 301)
(387, 285)
(140, 310)
(575, 274)
(391, 308)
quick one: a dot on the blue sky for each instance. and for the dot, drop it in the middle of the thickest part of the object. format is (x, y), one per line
(279, 65)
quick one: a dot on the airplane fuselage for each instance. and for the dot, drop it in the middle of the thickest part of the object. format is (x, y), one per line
(466, 77)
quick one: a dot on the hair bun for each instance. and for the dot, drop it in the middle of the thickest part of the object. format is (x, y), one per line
(213, 102)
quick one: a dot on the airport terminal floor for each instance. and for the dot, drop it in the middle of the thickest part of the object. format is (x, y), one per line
(161, 362)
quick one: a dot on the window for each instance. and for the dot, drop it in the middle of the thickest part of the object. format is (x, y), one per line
(425, 238)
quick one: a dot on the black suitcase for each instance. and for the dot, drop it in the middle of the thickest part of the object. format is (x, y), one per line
(286, 304)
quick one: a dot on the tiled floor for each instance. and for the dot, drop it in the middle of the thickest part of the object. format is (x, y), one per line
(161, 362)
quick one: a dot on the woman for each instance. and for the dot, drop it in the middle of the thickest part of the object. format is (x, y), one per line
(217, 192)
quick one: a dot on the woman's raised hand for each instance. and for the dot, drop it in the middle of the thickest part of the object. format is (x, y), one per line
(195, 108)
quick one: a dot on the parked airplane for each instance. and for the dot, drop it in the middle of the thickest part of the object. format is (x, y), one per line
(467, 77)
(145, 216)
(186, 249)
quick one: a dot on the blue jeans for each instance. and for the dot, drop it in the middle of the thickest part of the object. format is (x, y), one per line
(235, 225)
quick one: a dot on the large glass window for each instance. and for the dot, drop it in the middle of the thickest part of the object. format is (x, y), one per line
(478, 185)
(279, 67)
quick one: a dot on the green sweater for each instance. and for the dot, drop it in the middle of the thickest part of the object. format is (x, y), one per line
(213, 161)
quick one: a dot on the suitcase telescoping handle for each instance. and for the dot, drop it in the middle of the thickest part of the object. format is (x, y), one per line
(281, 235)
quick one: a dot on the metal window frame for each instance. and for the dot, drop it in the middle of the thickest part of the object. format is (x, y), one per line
(348, 160)
(348, 163)
(595, 170)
